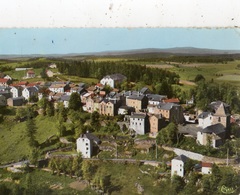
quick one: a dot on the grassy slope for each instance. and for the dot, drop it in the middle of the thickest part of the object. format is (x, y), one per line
(14, 145)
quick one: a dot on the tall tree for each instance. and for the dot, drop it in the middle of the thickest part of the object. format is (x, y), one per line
(75, 102)
(31, 131)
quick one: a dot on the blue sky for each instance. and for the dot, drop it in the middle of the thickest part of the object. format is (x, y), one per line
(81, 40)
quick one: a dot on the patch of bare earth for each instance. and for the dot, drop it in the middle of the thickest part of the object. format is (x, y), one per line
(78, 185)
(159, 66)
(184, 82)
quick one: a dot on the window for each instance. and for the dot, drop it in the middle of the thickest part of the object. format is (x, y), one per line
(139, 123)
(180, 169)
(86, 144)
(87, 148)
(219, 119)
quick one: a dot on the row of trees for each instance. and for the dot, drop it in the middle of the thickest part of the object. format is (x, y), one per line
(89, 170)
(133, 72)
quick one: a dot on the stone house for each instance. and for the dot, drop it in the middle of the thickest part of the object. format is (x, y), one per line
(156, 123)
(170, 111)
(18, 101)
(139, 102)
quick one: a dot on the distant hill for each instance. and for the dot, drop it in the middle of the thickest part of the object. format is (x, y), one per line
(135, 52)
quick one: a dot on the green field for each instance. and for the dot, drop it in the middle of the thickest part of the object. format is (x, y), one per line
(14, 145)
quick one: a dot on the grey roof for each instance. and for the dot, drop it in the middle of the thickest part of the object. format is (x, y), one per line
(116, 76)
(32, 89)
(129, 93)
(136, 97)
(17, 98)
(216, 129)
(65, 97)
(204, 115)
(166, 106)
(144, 90)
(92, 137)
(156, 97)
(182, 158)
(138, 115)
(215, 105)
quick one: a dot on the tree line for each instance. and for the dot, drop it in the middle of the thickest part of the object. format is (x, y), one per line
(133, 72)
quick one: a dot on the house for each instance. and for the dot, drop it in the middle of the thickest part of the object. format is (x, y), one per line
(144, 91)
(155, 99)
(213, 135)
(85, 144)
(16, 91)
(205, 119)
(4, 82)
(59, 87)
(113, 79)
(65, 99)
(221, 114)
(172, 100)
(206, 168)
(139, 102)
(170, 111)
(52, 66)
(177, 165)
(7, 77)
(93, 103)
(49, 73)
(18, 101)
(139, 123)
(30, 74)
(29, 92)
(122, 110)
(108, 107)
(22, 83)
(156, 123)
(3, 100)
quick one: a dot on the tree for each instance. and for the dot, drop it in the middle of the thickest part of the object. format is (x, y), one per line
(43, 74)
(168, 135)
(77, 165)
(88, 170)
(31, 131)
(75, 102)
(95, 119)
(177, 183)
(199, 77)
(42, 103)
(50, 109)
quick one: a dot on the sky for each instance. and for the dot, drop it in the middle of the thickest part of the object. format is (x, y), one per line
(22, 41)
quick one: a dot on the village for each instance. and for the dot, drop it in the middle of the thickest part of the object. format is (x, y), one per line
(142, 111)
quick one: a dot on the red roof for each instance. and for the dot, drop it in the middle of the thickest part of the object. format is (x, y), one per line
(172, 100)
(205, 164)
(3, 80)
(30, 72)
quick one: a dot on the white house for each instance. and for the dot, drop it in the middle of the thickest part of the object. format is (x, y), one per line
(29, 92)
(49, 73)
(85, 144)
(205, 119)
(30, 74)
(206, 168)
(139, 123)
(177, 165)
(113, 79)
(7, 77)
(213, 135)
(58, 87)
(16, 91)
